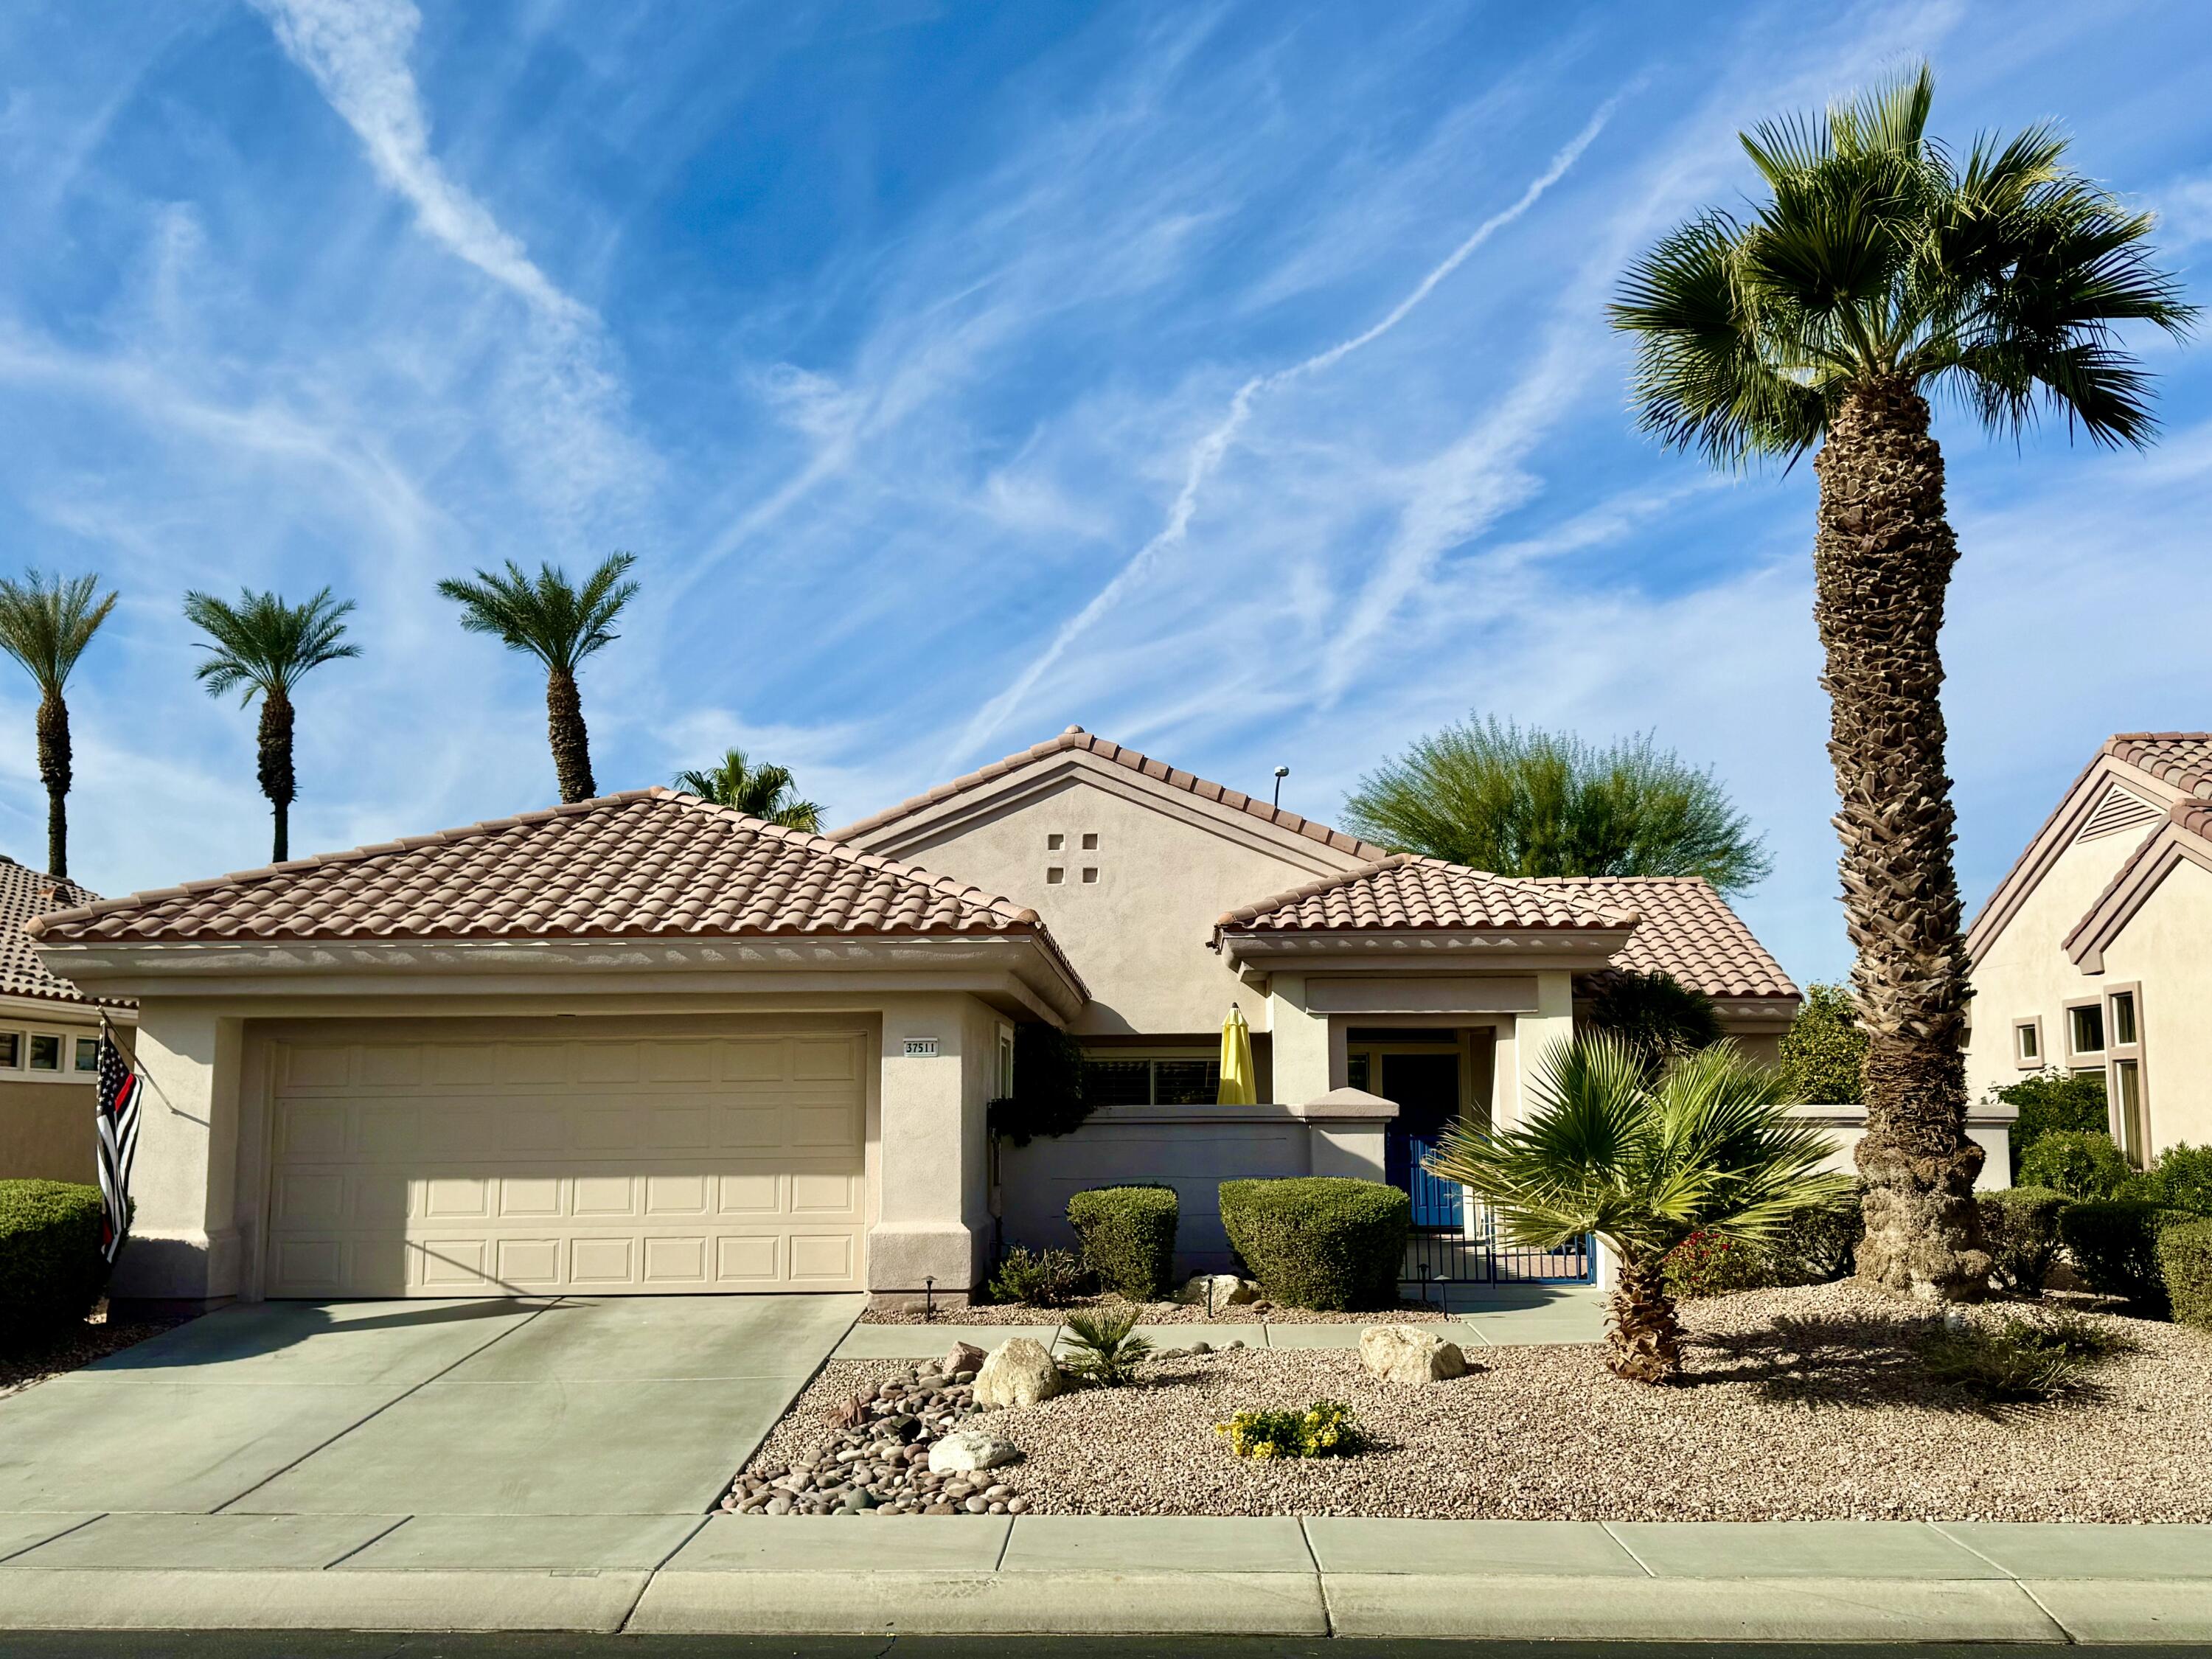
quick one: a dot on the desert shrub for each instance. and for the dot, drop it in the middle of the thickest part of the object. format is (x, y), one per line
(1128, 1235)
(2019, 1362)
(2182, 1179)
(2020, 1226)
(2115, 1245)
(1820, 1242)
(2184, 1267)
(1038, 1279)
(2082, 1164)
(1708, 1264)
(1656, 1012)
(1103, 1346)
(1824, 1049)
(2052, 1100)
(1048, 1097)
(1324, 1429)
(1325, 1241)
(52, 1271)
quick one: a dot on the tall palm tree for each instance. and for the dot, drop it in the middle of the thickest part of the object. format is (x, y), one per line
(1706, 1145)
(763, 792)
(45, 623)
(1881, 266)
(266, 646)
(560, 624)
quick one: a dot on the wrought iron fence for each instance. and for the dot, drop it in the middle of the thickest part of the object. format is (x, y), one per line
(1474, 1253)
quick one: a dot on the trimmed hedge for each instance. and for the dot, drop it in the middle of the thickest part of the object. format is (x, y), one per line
(2115, 1244)
(2184, 1261)
(51, 1269)
(1128, 1235)
(2182, 1178)
(1324, 1241)
(2083, 1164)
(2052, 1100)
(2020, 1225)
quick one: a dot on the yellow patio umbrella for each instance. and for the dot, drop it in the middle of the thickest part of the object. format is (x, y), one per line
(1237, 1085)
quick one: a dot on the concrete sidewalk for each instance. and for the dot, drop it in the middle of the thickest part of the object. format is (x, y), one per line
(1779, 1582)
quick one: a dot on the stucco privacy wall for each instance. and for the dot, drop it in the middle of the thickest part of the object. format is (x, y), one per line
(1167, 864)
(2025, 972)
(45, 1131)
(2166, 949)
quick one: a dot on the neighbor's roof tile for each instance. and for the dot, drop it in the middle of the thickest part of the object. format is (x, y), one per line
(24, 894)
(652, 863)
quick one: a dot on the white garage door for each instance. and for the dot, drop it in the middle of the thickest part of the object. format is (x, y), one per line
(407, 1161)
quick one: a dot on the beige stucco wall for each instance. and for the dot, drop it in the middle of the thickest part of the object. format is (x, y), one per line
(45, 1131)
(1139, 934)
(2025, 971)
(2166, 949)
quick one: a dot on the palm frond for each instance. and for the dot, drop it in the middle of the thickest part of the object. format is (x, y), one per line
(47, 621)
(548, 616)
(262, 645)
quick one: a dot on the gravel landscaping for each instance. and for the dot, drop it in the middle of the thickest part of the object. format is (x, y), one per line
(97, 1337)
(1150, 1313)
(1801, 1404)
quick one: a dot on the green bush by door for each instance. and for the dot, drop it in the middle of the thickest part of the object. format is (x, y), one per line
(1128, 1235)
(1324, 1241)
(51, 1269)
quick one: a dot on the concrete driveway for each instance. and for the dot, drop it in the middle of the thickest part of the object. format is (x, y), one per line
(629, 1405)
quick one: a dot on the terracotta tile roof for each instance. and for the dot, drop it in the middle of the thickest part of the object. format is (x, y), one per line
(1688, 931)
(1076, 739)
(26, 893)
(648, 864)
(2182, 759)
(1406, 891)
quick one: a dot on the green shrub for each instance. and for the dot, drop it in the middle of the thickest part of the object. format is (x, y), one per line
(1823, 1050)
(2182, 1178)
(1048, 1097)
(1656, 1012)
(1325, 1241)
(2020, 1226)
(2185, 1263)
(2082, 1164)
(1324, 1429)
(2115, 1245)
(51, 1269)
(1104, 1348)
(1706, 1265)
(2020, 1362)
(1038, 1279)
(1821, 1242)
(2052, 1100)
(1128, 1235)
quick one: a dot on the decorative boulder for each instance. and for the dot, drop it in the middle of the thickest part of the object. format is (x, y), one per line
(1407, 1353)
(1017, 1373)
(962, 1357)
(962, 1453)
(1229, 1291)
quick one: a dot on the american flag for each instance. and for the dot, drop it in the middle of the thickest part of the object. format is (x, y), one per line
(119, 1140)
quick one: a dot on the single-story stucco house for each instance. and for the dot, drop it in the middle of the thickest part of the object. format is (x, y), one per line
(647, 1044)
(2094, 953)
(48, 1040)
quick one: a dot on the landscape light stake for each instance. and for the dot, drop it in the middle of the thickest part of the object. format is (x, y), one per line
(1425, 1270)
(929, 1298)
(1209, 1296)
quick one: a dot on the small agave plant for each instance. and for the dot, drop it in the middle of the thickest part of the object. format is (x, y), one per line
(1104, 1347)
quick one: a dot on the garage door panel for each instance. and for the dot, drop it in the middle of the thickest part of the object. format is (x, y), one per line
(429, 1168)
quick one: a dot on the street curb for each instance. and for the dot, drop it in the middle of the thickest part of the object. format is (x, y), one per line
(88, 1598)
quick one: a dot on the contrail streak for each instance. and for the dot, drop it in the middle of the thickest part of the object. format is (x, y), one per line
(1211, 450)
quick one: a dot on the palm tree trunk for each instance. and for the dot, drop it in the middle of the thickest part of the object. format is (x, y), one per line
(54, 773)
(1881, 561)
(1645, 1338)
(572, 744)
(277, 779)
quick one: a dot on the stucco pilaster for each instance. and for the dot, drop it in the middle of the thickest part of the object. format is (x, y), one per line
(931, 1209)
(185, 1241)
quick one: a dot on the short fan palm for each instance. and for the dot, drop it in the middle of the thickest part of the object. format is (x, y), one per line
(760, 792)
(561, 623)
(45, 623)
(1881, 268)
(1643, 1162)
(265, 647)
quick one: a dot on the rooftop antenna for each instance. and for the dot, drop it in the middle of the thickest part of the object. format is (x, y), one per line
(1281, 772)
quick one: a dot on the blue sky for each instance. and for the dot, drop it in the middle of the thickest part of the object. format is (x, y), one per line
(1229, 379)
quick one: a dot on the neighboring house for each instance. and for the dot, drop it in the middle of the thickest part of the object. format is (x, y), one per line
(646, 1044)
(49, 1040)
(2093, 953)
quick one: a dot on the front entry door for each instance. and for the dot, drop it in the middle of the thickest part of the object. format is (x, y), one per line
(1427, 1091)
